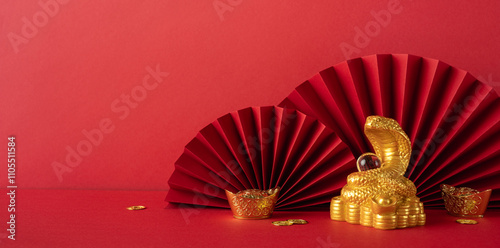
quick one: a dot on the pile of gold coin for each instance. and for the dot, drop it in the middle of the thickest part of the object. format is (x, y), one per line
(467, 221)
(136, 207)
(289, 222)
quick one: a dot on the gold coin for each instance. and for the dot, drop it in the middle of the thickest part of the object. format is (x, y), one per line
(136, 208)
(467, 222)
(297, 221)
(282, 223)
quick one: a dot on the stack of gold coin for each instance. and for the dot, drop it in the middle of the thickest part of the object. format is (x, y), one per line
(412, 220)
(337, 209)
(402, 215)
(366, 217)
(402, 221)
(353, 214)
(421, 219)
(385, 221)
(415, 210)
(421, 205)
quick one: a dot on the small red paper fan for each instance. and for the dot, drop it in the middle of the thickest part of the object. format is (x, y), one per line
(262, 148)
(451, 118)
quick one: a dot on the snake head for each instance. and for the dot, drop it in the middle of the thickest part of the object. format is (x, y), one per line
(373, 121)
(390, 142)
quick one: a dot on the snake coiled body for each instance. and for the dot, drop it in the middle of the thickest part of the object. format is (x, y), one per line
(382, 197)
(393, 147)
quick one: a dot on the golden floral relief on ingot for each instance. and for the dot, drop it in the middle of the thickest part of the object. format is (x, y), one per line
(465, 201)
(253, 203)
(379, 195)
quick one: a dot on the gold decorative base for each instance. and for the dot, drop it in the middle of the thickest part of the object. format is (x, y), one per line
(381, 213)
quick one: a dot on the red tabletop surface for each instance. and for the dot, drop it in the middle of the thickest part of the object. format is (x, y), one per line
(86, 218)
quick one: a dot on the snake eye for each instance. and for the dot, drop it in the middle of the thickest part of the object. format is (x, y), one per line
(368, 161)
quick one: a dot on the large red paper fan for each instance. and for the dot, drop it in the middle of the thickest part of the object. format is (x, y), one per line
(262, 148)
(451, 118)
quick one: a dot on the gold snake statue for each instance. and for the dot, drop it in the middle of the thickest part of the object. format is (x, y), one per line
(379, 195)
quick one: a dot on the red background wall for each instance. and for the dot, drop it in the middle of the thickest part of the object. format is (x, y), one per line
(64, 66)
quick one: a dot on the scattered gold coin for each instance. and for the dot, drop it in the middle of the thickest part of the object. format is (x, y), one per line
(467, 221)
(282, 223)
(136, 208)
(297, 221)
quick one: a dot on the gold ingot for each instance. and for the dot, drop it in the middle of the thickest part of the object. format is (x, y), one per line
(464, 201)
(384, 205)
(253, 203)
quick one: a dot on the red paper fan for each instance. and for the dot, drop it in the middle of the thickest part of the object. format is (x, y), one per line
(262, 148)
(451, 118)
